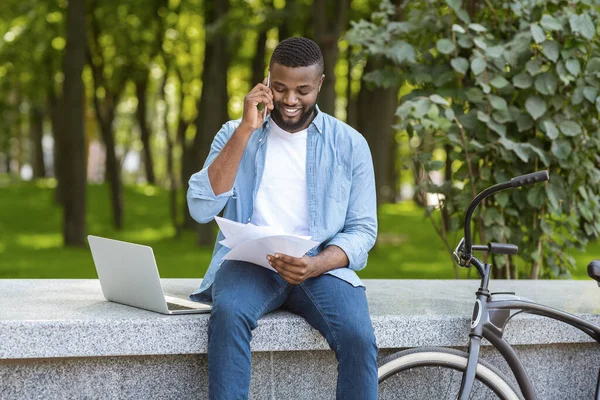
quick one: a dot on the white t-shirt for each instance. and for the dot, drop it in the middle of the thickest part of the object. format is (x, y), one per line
(282, 200)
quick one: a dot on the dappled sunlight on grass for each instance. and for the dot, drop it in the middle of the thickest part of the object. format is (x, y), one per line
(146, 190)
(48, 183)
(147, 235)
(40, 241)
(401, 208)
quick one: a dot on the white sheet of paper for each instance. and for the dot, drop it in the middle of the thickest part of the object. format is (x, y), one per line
(252, 243)
(256, 250)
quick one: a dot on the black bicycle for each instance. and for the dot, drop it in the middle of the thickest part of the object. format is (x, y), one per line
(455, 374)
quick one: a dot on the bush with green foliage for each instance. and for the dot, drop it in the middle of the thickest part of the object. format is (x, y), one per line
(510, 89)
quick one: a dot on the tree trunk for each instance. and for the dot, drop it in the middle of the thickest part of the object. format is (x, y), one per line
(74, 144)
(141, 89)
(113, 167)
(59, 157)
(375, 117)
(258, 62)
(105, 115)
(212, 107)
(351, 100)
(170, 162)
(330, 20)
(36, 127)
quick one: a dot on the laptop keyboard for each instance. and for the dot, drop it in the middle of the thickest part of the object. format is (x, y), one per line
(173, 306)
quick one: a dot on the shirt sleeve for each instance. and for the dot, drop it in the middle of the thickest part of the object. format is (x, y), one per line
(202, 201)
(360, 228)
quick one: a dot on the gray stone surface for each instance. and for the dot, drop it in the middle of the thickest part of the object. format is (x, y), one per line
(563, 372)
(60, 339)
(70, 318)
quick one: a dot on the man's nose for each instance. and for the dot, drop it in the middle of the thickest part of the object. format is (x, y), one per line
(289, 98)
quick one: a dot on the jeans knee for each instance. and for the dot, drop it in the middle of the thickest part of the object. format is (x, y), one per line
(230, 317)
(359, 339)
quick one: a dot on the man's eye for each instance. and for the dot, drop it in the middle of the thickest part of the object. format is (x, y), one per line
(279, 90)
(303, 93)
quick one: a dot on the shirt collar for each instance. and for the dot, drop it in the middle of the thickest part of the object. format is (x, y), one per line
(317, 121)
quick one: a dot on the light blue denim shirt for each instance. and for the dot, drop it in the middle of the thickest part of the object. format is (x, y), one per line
(342, 207)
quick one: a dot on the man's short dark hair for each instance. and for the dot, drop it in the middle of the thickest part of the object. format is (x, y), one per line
(298, 52)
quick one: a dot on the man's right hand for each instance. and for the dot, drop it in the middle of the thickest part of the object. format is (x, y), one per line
(253, 118)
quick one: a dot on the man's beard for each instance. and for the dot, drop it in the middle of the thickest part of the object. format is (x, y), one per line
(292, 126)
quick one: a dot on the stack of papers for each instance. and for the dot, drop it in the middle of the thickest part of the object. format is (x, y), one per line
(252, 243)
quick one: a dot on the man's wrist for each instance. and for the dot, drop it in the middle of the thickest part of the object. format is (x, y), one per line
(313, 265)
(244, 129)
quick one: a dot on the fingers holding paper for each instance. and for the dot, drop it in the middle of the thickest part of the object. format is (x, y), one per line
(293, 270)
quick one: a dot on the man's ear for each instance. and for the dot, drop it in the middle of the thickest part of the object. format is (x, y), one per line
(321, 82)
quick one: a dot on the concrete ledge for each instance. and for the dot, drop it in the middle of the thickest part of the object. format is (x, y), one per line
(61, 339)
(70, 318)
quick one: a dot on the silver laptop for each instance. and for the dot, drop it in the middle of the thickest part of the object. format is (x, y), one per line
(128, 275)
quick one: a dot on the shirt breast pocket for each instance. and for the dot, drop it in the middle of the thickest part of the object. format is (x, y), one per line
(338, 184)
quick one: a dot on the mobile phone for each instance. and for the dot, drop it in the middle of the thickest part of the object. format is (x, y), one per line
(262, 106)
(269, 86)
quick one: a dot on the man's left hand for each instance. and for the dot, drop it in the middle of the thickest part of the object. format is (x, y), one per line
(293, 270)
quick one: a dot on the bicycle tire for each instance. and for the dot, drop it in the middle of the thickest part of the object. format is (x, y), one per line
(450, 365)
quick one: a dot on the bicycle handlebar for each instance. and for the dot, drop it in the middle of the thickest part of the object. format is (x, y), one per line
(518, 181)
(530, 179)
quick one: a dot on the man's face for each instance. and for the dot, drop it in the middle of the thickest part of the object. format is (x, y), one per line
(295, 92)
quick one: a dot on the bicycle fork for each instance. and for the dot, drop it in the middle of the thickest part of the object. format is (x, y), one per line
(474, 343)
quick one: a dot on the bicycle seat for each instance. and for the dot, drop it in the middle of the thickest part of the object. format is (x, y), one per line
(594, 270)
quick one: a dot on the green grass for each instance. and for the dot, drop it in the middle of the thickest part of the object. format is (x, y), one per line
(31, 240)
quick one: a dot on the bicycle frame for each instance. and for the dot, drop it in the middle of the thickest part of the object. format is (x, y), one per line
(492, 312)
(490, 316)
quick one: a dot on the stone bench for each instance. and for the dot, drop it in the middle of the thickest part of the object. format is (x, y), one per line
(61, 339)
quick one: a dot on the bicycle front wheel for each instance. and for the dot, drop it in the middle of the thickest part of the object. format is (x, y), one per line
(436, 373)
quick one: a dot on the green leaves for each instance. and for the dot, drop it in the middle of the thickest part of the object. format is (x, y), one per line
(445, 46)
(569, 128)
(460, 65)
(401, 52)
(458, 29)
(546, 83)
(437, 99)
(478, 65)
(499, 82)
(550, 23)
(522, 80)
(550, 50)
(583, 25)
(537, 33)
(534, 67)
(498, 103)
(523, 84)
(536, 106)
(550, 129)
(477, 28)
(573, 66)
(561, 149)
(593, 66)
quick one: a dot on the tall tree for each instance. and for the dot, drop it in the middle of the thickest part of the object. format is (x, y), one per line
(105, 106)
(36, 133)
(212, 106)
(74, 107)
(375, 119)
(376, 107)
(330, 19)
(143, 52)
(141, 91)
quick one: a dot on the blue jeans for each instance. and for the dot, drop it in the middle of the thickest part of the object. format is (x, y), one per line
(243, 292)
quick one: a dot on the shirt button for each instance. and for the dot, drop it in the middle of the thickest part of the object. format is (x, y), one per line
(249, 219)
(260, 140)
